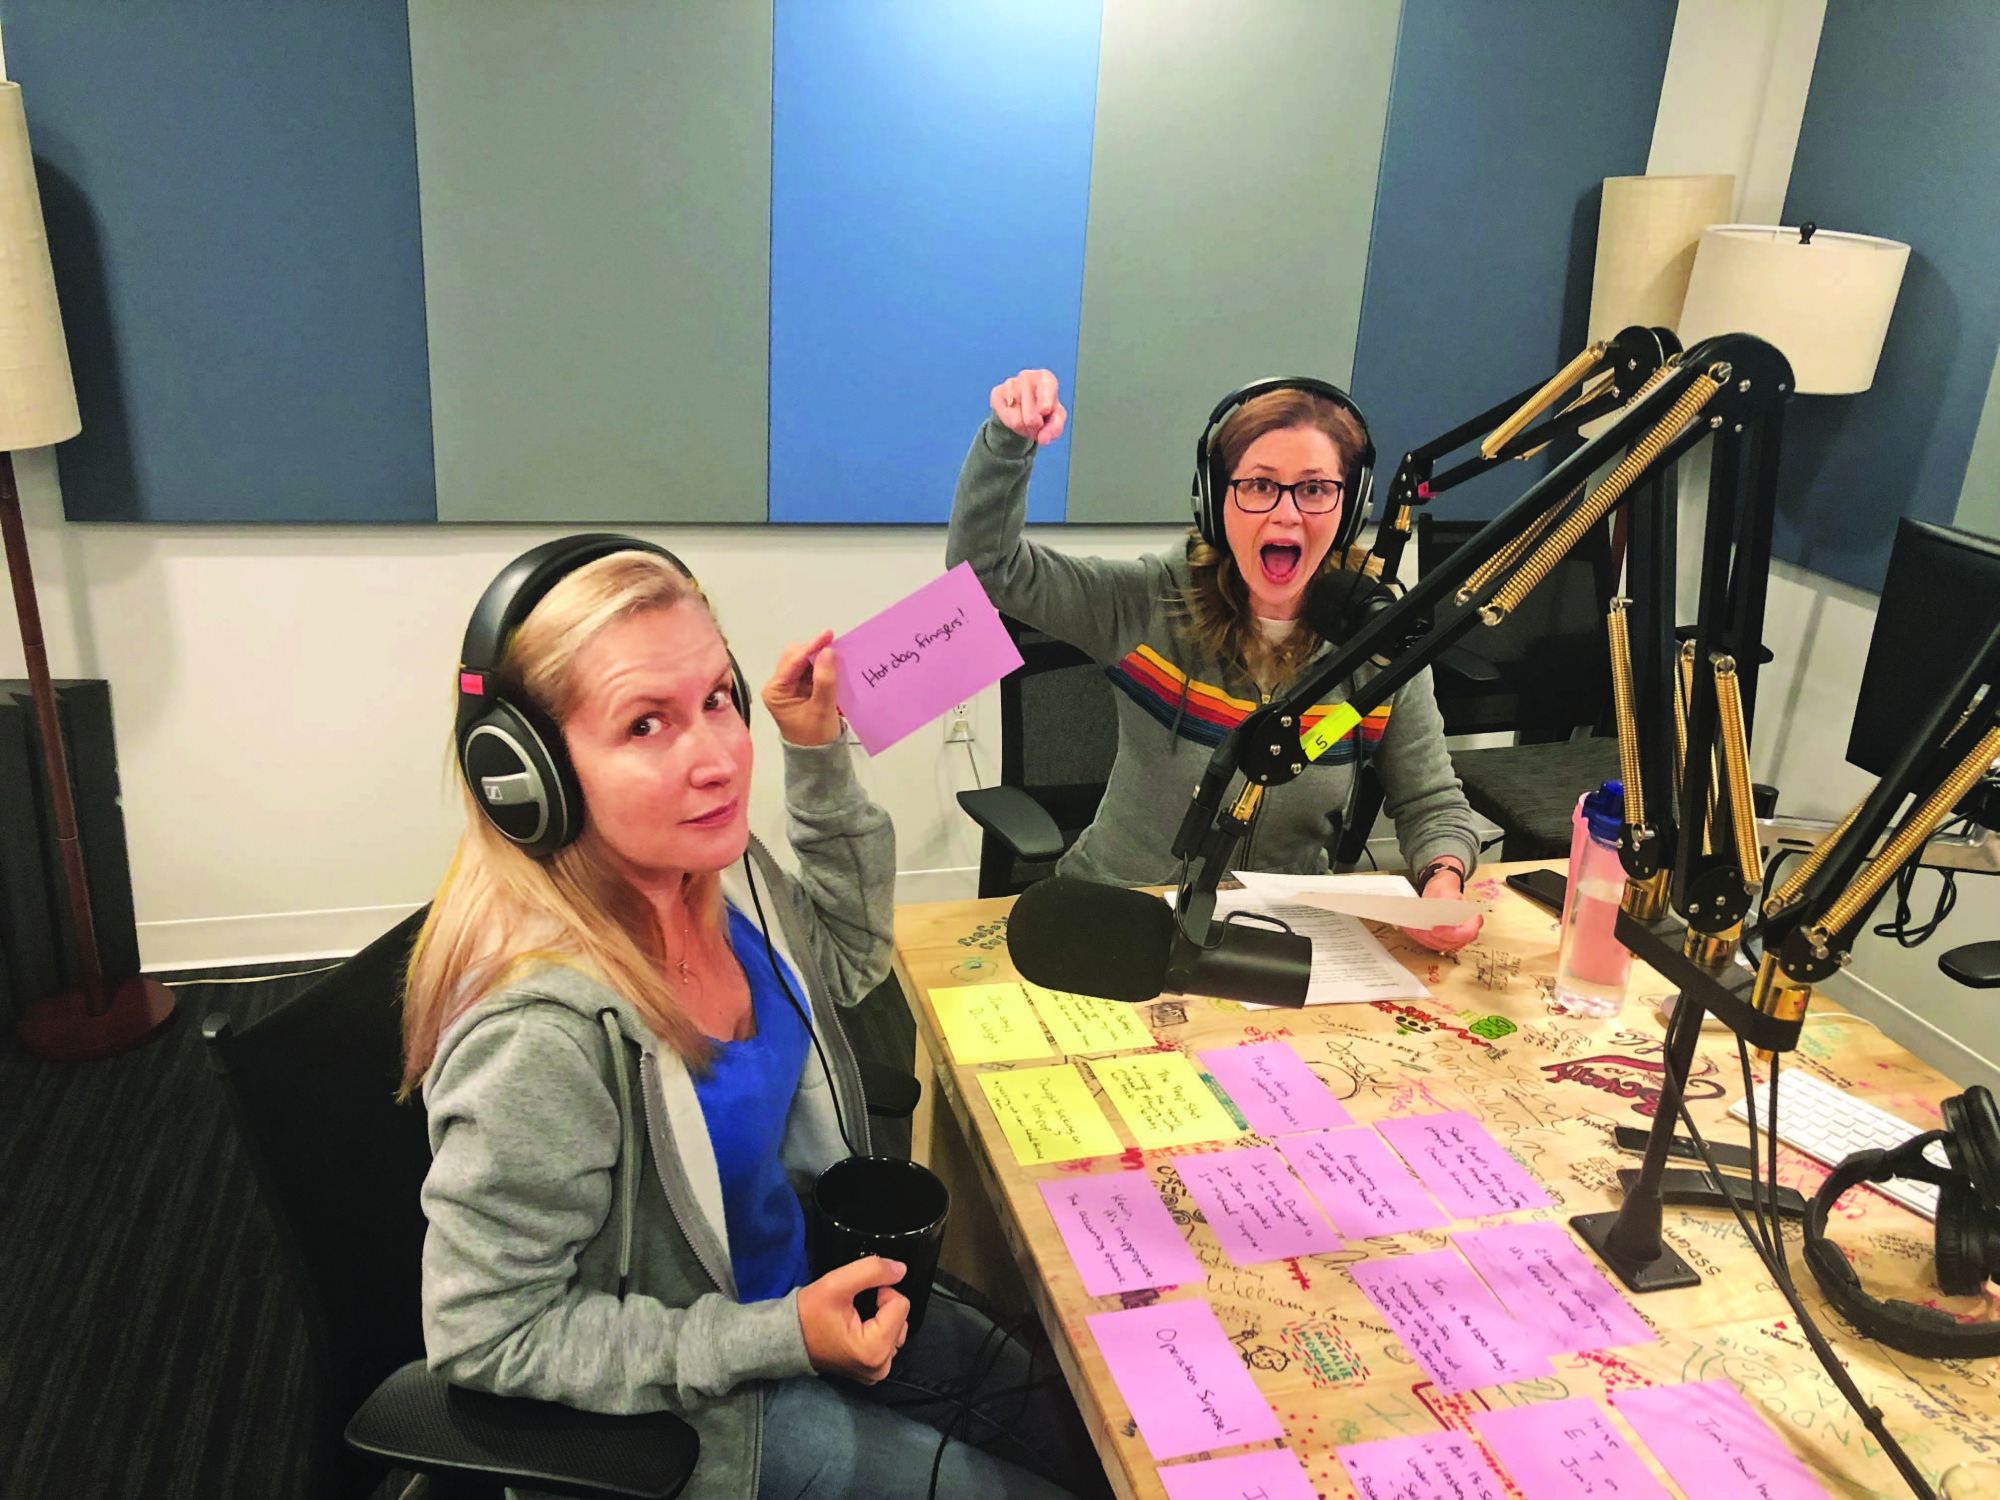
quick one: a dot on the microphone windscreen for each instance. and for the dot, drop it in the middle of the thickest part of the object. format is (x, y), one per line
(1091, 939)
(1338, 604)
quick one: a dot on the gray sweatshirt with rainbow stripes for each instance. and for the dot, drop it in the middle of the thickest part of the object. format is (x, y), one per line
(1176, 703)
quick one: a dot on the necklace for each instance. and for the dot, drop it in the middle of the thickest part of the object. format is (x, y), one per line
(687, 941)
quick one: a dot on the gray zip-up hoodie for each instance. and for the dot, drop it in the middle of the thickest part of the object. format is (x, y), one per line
(578, 1250)
(1175, 703)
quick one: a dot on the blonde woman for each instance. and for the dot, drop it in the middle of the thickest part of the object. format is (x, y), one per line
(622, 1015)
(1193, 643)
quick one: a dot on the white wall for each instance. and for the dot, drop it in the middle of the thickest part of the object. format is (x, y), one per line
(283, 702)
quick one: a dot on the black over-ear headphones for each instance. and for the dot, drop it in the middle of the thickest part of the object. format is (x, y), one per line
(1968, 1232)
(1211, 485)
(510, 753)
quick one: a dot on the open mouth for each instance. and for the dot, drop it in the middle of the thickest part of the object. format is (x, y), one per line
(1280, 562)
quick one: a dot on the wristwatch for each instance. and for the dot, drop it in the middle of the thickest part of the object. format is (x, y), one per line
(1448, 862)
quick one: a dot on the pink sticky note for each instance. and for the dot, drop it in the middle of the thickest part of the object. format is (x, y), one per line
(1469, 1171)
(1183, 1379)
(1434, 1466)
(1119, 1233)
(916, 659)
(1256, 1207)
(1274, 1474)
(1462, 1337)
(1714, 1444)
(1275, 1090)
(1363, 1185)
(1549, 1285)
(1566, 1450)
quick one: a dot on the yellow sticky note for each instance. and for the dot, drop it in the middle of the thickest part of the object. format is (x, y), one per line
(1083, 1024)
(1329, 731)
(1048, 1114)
(989, 1023)
(1164, 1100)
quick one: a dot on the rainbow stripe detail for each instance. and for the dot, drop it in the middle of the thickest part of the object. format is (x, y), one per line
(1157, 685)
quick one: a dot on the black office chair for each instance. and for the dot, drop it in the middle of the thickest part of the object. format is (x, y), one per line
(1058, 738)
(1550, 679)
(340, 1164)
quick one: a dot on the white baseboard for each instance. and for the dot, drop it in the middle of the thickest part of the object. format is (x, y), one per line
(951, 884)
(265, 937)
(1951, 1057)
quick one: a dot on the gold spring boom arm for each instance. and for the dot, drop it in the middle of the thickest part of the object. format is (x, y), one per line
(1628, 723)
(1736, 769)
(1594, 508)
(1577, 369)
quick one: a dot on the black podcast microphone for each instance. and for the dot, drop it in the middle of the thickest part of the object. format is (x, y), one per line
(1338, 604)
(1104, 940)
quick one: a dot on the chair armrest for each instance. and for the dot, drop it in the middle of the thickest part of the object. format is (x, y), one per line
(892, 1092)
(1975, 965)
(417, 1420)
(1465, 668)
(1016, 819)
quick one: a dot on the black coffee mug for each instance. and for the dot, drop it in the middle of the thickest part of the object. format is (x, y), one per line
(880, 1205)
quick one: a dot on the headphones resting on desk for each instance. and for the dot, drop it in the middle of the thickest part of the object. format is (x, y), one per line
(510, 753)
(1211, 485)
(1968, 1232)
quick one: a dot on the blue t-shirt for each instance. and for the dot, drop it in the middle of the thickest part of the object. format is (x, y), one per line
(746, 1098)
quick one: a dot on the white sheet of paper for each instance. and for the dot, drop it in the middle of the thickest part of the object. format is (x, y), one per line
(1349, 965)
(1378, 898)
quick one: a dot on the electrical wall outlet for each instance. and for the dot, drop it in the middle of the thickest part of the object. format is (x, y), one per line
(958, 725)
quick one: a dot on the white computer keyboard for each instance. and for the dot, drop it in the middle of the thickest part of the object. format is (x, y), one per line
(1830, 1126)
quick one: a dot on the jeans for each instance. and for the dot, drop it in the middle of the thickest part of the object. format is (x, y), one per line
(1017, 1437)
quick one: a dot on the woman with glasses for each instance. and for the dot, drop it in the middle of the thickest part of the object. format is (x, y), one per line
(1194, 643)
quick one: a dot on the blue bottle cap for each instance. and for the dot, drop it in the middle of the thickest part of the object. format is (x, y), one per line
(1604, 811)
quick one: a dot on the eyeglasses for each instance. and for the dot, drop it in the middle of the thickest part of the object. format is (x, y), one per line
(1314, 497)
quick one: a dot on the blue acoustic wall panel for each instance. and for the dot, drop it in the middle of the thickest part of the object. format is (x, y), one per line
(231, 195)
(930, 180)
(1503, 122)
(1899, 140)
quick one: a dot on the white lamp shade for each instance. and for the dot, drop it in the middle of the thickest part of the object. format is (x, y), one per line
(1647, 231)
(1825, 305)
(37, 398)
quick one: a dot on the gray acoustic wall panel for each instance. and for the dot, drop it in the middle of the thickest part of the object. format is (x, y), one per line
(595, 190)
(1232, 190)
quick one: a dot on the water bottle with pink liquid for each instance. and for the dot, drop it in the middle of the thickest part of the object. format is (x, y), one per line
(1592, 966)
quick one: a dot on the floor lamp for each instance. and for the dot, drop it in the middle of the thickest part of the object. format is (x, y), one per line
(37, 409)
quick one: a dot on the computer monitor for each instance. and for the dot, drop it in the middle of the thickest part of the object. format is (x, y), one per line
(1939, 605)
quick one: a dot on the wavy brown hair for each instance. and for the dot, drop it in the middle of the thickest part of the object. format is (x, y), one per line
(499, 909)
(1216, 602)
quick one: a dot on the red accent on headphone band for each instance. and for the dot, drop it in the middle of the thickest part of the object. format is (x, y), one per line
(472, 683)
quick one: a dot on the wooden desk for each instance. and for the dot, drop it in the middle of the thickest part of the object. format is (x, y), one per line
(1552, 1089)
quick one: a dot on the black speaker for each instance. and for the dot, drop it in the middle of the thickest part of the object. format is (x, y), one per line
(83, 708)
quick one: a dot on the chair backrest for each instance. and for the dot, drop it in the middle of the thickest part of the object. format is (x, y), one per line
(340, 1162)
(1058, 738)
(1552, 651)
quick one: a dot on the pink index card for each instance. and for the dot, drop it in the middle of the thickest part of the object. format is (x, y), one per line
(1119, 1233)
(1433, 1466)
(917, 658)
(1274, 1474)
(1714, 1444)
(1566, 1450)
(1256, 1207)
(1363, 1185)
(1183, 1379)
(1469, 1171)
(1458, 1333)
(1275, 1090)
(1549, 1285)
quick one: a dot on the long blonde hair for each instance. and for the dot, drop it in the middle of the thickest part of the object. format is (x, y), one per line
(1215, 604)
(499, 908)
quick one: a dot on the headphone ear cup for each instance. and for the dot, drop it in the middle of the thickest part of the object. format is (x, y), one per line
(1960, 1268)
(1973, 1144)
(514, 761)
(740, 686)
